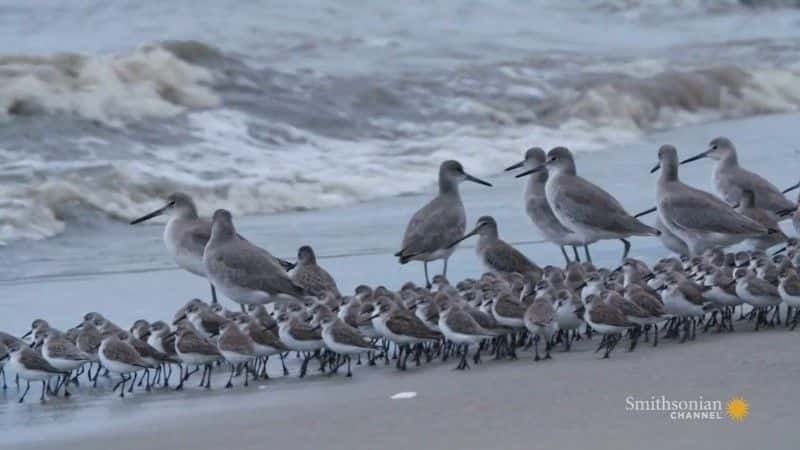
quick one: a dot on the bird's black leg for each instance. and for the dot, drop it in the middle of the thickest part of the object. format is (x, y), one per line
(214, 294)
(588, 256)
(627, 248)
(427, 280)
(564, 252)
(575, 252)
(27, 388)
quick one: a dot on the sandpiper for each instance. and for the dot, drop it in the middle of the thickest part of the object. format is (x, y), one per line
(789, 290)
(238, 350)
(439, 223)
(192, 349)
(591, 212)
(606, 320)
(730, 180)
(311, 276)
(541, 321)
(29, 365)
(496, 254)
(243, 272)
(401, 327)
(118, 356)
(758, 293)
(299, 336)
(63, 355)
(461, 329)
(342, 339)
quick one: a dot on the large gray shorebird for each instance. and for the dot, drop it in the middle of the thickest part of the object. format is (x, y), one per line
(539, 210)
(698, 218)
(583, 207)
(241, 271)
(186, 234)
(731, 181)
(438, 224)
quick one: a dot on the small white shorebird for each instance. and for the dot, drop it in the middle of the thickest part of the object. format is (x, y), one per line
(730, 180)
(243, 272)
(29, 365)
(186, 234)
(698, 218)
(581, 206)
(539, 210)
(433, 228)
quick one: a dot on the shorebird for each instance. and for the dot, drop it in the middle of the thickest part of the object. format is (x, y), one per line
(311, 276)
(243, 272)
(606, 320)
(63, 355)
(496, 254)
(730, 180)
(401, 327)
(591, 212)
(186, 235)
(206, 322)
(265, 342)
(29, 365)
(698, 218)
(433, 228)
(539, 210)
(461, 329)
(342, 339)
(789, 290)
(749, 207)
(118, 356)
(237, 348)
(541, 321)
(299, 336)
(192, 349)
(758, 293)
(37, 325)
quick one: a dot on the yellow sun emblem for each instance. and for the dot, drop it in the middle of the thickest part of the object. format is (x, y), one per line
(737, 409)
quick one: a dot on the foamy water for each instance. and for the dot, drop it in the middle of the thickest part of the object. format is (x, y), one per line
(264, 107)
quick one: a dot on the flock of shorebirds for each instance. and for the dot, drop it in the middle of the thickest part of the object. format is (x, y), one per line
(297, 308)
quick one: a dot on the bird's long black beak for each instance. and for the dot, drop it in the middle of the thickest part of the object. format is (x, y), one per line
(178, 320)
(530, 171)
(79, 326)
(476, 180)
(374, 316)
(791, 188)
(27, 334)
(468, 235)
(780, 250)
(646, 212)
(155, 213)
(786, 212)
(5, 357)
(695, 157)
(515, 166)
(649, 276)
(316, 328)
(655, 168)
(617, 269)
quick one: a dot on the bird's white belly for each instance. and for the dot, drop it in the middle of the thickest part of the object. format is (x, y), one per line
(298, 345)
(456, 337)
(757, 301)
(30, 375)
(790, 300)
(184, 258)
(196, 358)
(117, 366)
(66, 365)
(677, 305)
(235, 358)
(717, 295)
(336, 347)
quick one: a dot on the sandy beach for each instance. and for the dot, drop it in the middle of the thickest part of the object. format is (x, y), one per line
(574, 401)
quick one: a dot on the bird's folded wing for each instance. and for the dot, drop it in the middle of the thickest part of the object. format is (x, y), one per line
(348, 335)
(705, 213)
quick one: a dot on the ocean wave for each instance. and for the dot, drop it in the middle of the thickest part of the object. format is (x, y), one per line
(154, 81)
(188, 117)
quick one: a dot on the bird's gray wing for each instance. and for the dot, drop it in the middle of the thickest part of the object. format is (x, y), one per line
(315, 280)
(253, 268)
(760, 287)
(66, 350)
(348, 335)
(196, 237)
(702, 212)
(434, 227)
(191, 343)
(587, 203)
(608, 315)
(768, 196)
(302, 332)
(505, 258)
(542, 313)
(34, 361)
(409, 326)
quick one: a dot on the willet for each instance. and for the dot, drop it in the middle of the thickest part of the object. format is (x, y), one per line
(698, 218)
(243, 272)
(186, 235)
(730, 180)
(592, 213)
(433, 228)
(311, 276)
(495, 253)
(539, 210)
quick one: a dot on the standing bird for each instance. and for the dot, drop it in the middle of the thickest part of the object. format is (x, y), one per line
(539, 210)
(186, 235)
(243, 272)
(591, 212)
(730, 180)
(443, 220)
(496, 254)
(749, 208)
(311, 276)
(698, 218)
